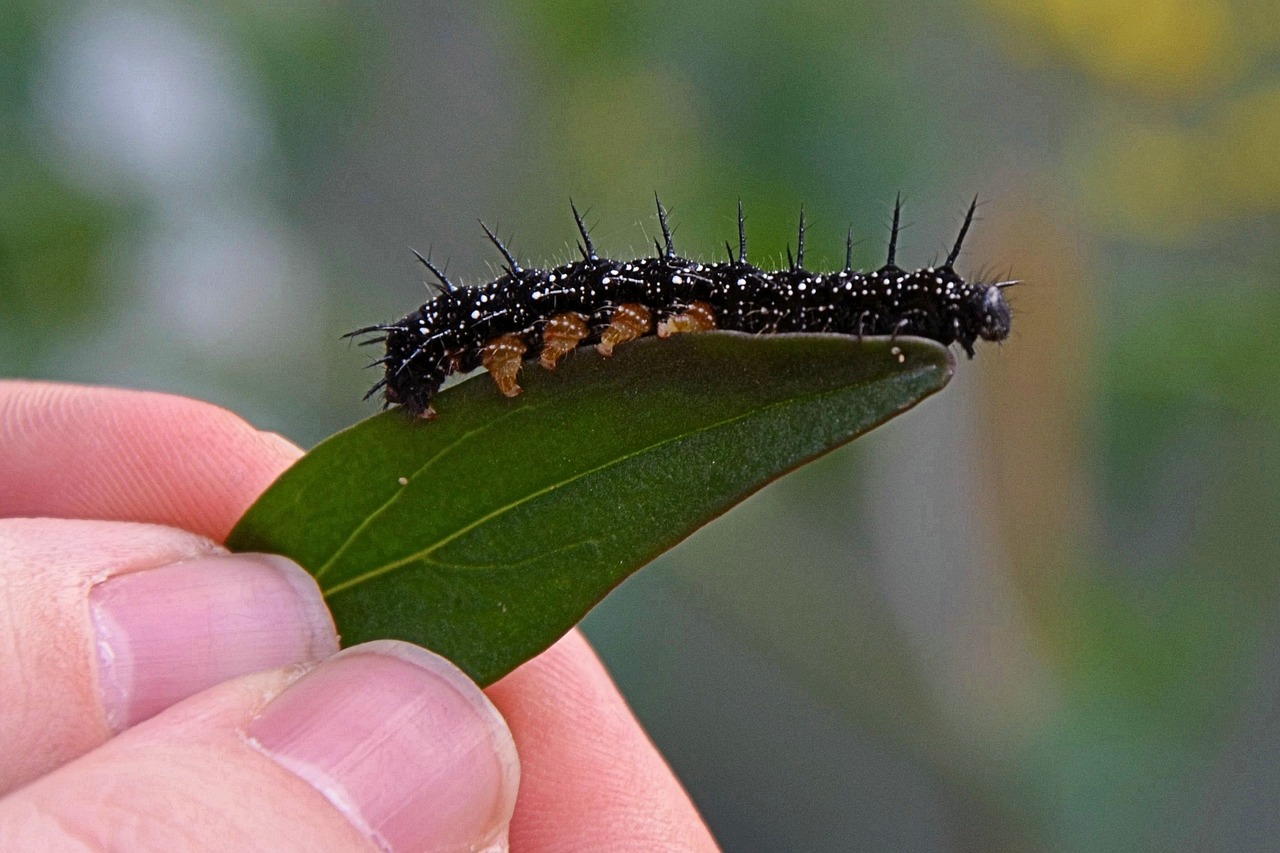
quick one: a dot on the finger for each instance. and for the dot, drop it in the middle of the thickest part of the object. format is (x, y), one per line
(383, 746)
(590, 772)
(68, 451)
(104, 624)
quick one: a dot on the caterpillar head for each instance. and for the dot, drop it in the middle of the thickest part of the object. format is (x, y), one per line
(981, 311)
(994, 317)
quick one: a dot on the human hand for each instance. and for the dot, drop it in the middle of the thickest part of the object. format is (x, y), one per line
(157, 693)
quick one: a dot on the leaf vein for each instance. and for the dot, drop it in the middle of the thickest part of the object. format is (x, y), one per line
(373, 516)
(484, 519)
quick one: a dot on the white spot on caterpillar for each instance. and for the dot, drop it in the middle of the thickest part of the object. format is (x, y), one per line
(404, 481)
(898, 352)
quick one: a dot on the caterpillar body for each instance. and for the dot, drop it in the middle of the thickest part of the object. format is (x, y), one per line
(547, 313)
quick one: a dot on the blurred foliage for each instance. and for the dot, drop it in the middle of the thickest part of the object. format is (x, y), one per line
(313, 62)
(1187, 111)
(1157, 47)
(1165, 178)
(1025, 616)
(48, 245)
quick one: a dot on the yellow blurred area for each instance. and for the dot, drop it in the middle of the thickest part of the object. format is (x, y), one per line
(1158, 47)
(1162, 179)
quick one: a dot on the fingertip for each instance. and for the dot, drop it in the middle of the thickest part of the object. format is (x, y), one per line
(107, 623)
(590, 769)
(287, 451)
(382, 746)
(155, 457)
(166, 633)
(51, 710)
(389, 710)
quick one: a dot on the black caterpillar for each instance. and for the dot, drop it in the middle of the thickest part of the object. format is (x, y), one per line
(606, 302)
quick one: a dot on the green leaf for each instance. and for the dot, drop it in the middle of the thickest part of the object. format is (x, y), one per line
(489, 532)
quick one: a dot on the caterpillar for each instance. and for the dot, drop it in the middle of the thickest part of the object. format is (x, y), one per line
(548, 313)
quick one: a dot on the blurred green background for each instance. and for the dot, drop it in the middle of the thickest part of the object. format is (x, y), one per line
(1039, 612)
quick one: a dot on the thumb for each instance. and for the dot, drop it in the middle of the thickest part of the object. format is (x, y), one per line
(384, 746)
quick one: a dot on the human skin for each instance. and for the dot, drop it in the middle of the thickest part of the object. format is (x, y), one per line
(159, 693)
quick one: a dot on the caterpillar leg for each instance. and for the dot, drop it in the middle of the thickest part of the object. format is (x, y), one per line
(699, 317)
(630, 320)
(502, 358)
(561, 336)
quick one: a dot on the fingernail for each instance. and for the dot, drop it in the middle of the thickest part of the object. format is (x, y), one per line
(166, 633)
(402, 743)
